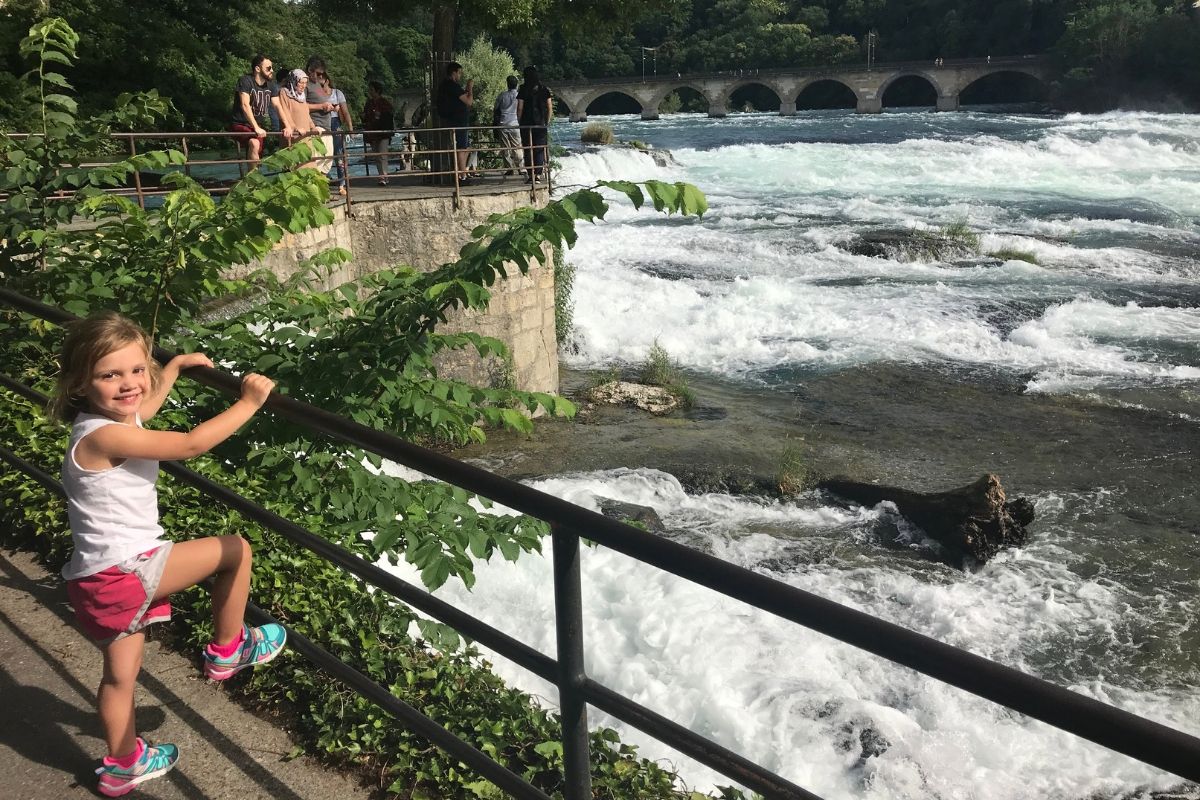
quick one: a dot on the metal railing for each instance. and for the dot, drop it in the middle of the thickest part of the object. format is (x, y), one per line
(428, 156)
(1150, 742)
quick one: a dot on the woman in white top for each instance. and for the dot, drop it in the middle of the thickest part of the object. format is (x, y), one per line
(340, 121)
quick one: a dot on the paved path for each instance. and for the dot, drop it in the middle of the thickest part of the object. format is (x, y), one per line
(50, 739)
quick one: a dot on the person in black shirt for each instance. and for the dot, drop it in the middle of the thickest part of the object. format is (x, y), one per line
(534, 111)
(454, 107)
(254, 97)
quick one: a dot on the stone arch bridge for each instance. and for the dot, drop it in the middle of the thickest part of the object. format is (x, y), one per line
(948, 78)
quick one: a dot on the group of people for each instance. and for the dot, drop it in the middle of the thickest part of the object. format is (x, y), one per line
(305, 102)
(519, 117)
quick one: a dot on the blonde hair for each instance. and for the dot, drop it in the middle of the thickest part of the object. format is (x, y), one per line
(88, 341)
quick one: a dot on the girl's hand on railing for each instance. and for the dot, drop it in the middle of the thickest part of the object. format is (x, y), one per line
(256, 388)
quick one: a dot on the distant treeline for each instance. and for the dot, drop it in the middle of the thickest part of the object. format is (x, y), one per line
(1133, 53)
(1127, 53)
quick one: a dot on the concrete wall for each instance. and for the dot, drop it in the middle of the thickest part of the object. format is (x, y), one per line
(425, 232)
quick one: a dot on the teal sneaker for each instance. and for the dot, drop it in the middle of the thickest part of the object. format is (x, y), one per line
(155, 760)
(259, 645)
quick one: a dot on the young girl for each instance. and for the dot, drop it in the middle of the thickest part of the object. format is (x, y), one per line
(123, 571)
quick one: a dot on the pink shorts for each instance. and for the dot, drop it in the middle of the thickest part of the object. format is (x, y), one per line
(118, 601)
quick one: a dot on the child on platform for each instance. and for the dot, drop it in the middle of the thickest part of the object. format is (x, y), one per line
(122, 572)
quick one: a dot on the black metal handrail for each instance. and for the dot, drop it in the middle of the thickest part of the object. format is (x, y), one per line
(1145, 740)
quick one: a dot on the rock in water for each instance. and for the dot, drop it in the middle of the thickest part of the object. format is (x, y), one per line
(973, 522)
(642, 516)
(654, 399)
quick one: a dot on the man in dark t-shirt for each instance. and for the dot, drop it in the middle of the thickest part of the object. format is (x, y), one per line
(454, 103)
(253, 97)
(535, 108)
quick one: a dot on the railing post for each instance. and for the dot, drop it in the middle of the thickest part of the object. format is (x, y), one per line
(454, 163)
(137, 176)
(568, 619)
(345, 166)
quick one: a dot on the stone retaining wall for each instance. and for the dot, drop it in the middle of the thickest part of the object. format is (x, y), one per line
(425, 232)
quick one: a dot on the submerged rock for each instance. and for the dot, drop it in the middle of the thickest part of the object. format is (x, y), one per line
(642, 516)
(724, 479)
(914, 244)
(973, 522)
(654, 399)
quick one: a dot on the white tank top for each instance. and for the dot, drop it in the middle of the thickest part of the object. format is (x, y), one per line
(113, 512)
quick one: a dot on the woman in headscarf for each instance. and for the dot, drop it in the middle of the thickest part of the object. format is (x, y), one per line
(294, 109)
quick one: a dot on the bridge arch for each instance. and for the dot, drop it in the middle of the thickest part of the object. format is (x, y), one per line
(825, 92)
(780, 93)
(998, 86)
(586, 103)
(914, 78)
(657, 98)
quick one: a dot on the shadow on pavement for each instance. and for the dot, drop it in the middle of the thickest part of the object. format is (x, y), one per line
(56, 744)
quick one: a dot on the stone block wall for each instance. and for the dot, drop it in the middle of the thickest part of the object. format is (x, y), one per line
(291, 251)
(425, 232)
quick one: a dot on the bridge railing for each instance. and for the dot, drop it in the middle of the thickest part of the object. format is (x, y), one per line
(774, 72)
(1142, 739)
(427, 156)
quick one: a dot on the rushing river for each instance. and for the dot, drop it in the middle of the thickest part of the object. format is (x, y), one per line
(1077, 377)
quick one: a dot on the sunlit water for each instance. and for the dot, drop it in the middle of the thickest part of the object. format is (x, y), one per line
(764, 293)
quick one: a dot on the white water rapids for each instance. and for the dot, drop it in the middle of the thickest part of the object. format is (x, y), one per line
(763, 291)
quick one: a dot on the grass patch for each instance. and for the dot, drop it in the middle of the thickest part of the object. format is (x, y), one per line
(949, 241)
(960, 233)
(1010, 254)
(659, 370)
(597, 133)
(598, 379)
(794, 474)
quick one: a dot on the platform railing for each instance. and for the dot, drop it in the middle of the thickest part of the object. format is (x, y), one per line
(427, 156)
(1150, 742)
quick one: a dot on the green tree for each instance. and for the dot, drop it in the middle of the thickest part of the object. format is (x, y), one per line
(489, 67)
(1101, 37)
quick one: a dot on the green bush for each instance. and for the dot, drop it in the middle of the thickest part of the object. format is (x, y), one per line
(597, 133)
